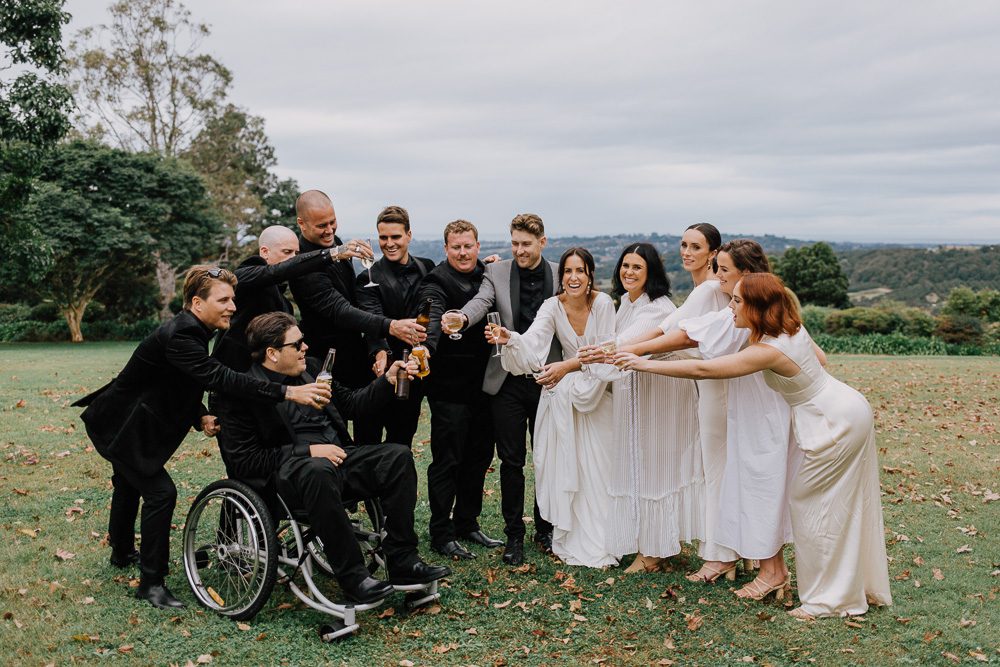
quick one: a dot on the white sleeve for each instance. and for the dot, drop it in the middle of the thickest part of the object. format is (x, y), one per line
(715, 333)
(701, 300)
(526, 352)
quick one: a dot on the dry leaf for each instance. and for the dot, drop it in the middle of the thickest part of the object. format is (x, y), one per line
(668, 643)
(87, 600)
(405, 663)
(951, 656)
(501, 605)
(21, 403)
(217, 598)
(575, 605)
(64, 555)
(965, 548)
(32, 533)
(579, 617)
(21, 492)
(125, 648)
(694, 621)
(964, 623)
(472, 631)
(852, 624)
(285, 605)
(978, 655)
(937, 574)
(444, 648)
(917, 560)
(243, 626)
(204, 659)
(391, 611)
(260, 637)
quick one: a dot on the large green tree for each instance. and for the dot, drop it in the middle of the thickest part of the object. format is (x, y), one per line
(34, 110)
(815, 275)
(144, 83)
(106, 210)
(235, 156)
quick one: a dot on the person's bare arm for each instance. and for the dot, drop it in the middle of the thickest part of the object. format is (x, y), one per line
(750, 360)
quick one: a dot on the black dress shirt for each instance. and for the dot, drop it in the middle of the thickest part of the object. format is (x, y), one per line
(532, 286)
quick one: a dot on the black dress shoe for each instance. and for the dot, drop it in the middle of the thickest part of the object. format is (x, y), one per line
(482, 539)
(367, 590)
(453, 550)
(124, 560)
(417, 573)
(513, 553)
(544, 541)
(159, 596)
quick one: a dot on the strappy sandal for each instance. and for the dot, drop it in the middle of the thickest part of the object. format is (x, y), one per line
(758, 589)
(801, 614)
(709, 576)
(647, 564)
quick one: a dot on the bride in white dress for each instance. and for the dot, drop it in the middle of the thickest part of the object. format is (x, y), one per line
(573, 426)
(835, 505)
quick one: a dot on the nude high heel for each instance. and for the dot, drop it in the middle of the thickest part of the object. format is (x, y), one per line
(709, 576)
(646, 564)
(758, 589)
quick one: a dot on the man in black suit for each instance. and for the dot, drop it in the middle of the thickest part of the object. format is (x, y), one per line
(139, 419)
(308, 456)
(327, 300)
(398, 275)
(516, 289)
(462, 436)
(261, 288)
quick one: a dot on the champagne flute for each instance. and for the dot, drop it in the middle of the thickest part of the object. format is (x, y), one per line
(494, 320)
(586, 339)
(368, 262)
(537, 373)
(451, 324)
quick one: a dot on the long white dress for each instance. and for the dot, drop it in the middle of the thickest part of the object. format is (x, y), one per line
(572, 438)
(657, 483)
(708, 297)
(761, 456)
(836, 505)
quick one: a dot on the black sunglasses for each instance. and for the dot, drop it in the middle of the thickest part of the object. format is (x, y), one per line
(216, 272)
(297, 343)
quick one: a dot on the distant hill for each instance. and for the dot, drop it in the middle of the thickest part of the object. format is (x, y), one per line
(917, 275)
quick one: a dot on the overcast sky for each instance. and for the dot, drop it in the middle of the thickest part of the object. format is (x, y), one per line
(865, 121)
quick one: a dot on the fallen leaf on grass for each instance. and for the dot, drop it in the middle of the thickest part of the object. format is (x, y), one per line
(965, 548)
(21, 492)
(405, 663)
(951, 656)
(204, 659)
(502, 605)
(580, 618)
(444, 648)
(86, 638)
(87, 600)
(575, 605)
(64, 555)
(853, 624)
(917, 560)
(937, 574)
(30, 532)
(125, 648)
(391, 611)
(21, 403)
(472, 631)
(694, 621)
(965, 623)
(285, 605)
(243, 626)
(978, 655)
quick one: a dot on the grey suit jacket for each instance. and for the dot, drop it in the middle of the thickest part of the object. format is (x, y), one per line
(499, 291)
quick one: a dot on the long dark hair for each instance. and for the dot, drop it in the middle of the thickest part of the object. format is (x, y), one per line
(588, 268)
(657, 282)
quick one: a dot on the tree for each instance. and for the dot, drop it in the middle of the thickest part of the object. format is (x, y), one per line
(34, 110)
(984, 304)
(234, 155)
(149, 88)
(815, 275)
(105, 210)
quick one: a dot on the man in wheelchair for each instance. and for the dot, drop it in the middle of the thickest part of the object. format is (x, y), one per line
(306, 454)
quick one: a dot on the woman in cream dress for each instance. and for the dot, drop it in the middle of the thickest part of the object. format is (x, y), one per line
(835, 505)
(699, 245)
(573, 426)
(657, 484)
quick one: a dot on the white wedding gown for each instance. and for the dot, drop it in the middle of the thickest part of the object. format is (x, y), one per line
(836, 505)
(657, 483)
(573, 433)
(761, 456)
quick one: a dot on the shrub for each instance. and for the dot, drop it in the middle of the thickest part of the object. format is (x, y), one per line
(13, 312)
(859, 321)
(898, 344)
(959, 329)
(46, 311)
(814, 317)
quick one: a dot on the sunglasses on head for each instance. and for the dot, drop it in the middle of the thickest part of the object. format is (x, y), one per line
(216, 272)
(297, 343)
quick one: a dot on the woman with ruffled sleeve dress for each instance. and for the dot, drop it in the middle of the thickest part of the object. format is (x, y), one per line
(573, 426)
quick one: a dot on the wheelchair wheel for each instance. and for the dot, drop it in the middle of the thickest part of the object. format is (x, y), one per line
(230, 549)
(369, 524)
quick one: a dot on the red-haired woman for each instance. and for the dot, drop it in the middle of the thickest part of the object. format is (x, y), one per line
(835, 504)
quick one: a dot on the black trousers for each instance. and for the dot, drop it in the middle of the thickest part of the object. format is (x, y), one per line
(461, 452)
(320, 488)
(159, 496)
(399, 421)
(514, 408)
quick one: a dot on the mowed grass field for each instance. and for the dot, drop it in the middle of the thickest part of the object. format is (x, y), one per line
(61, 602)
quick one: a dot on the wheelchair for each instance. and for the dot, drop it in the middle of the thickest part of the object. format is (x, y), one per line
(237, 547)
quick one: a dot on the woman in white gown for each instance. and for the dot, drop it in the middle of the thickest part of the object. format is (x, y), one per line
(835, 504)
(699, 246)
(657, 484)
(573, 426)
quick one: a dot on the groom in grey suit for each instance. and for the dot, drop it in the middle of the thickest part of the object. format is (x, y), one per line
(516, 289)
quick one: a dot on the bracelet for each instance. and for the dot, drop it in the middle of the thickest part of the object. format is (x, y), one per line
(335, 253)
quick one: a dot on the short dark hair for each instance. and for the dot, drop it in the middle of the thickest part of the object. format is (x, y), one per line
(710, 233)
(394, 215)
(267, 330)
(528, 222)
(459, 227)
(199, 279)
(657, 282)
(748, 256)
(588, 269)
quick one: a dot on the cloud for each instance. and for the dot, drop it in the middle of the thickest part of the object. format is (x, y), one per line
(853, 120)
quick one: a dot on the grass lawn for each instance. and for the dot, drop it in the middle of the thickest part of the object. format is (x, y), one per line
(62, 603)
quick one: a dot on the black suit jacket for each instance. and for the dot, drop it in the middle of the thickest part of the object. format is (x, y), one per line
(331, 318)
(256, 437)
(390, 299)
(459, 365)
(260, 289)
(140, 418)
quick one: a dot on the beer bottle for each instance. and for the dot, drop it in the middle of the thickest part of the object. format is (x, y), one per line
(403, 379)
(325, 374)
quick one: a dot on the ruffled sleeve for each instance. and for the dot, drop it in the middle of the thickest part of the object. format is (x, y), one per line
(526, 352)
(715, 333)
(705, 298)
